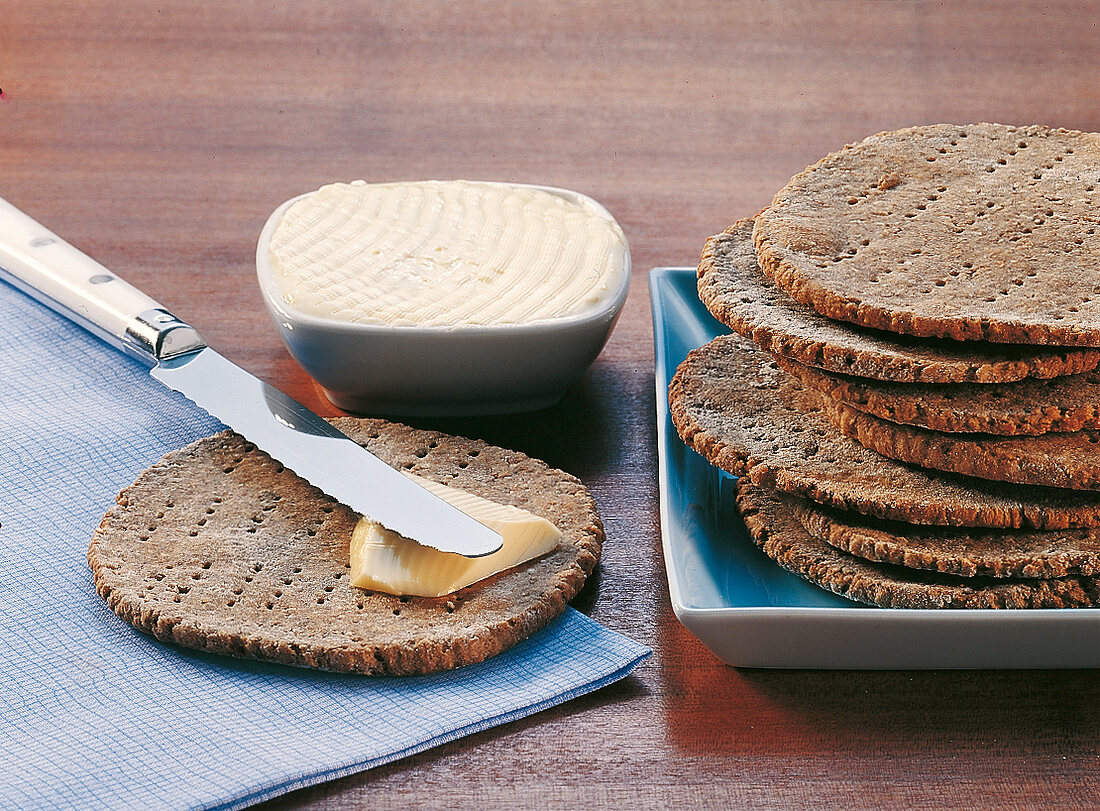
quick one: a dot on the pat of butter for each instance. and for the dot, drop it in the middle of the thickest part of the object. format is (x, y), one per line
(386, 561)
(445, 254)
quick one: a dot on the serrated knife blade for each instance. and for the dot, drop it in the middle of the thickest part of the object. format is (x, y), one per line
(43, 265)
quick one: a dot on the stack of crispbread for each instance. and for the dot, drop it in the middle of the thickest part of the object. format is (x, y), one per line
(911, 399)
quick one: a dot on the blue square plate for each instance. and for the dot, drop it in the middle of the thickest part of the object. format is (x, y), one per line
(751, 613)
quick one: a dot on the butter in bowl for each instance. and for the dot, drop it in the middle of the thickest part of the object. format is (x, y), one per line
(443, 297)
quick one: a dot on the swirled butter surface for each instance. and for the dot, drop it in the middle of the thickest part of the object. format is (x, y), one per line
(445, 254)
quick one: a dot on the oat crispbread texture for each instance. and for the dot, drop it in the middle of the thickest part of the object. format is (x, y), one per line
(968, 552)
(732, 404)
(1024, 407)
(735, 291)
(218, 547)
(1071, 461)
(978, 231)
(775, 528)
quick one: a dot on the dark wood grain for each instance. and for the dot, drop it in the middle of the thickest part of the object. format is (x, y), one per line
(159, 137)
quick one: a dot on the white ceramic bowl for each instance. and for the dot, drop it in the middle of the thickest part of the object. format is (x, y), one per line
(464, 370)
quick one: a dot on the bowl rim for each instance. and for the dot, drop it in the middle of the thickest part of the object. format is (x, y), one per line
(608, 311)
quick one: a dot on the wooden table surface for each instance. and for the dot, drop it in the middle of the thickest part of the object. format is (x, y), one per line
(158, 137)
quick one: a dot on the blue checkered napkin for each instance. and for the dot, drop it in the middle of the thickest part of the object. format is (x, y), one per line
(94, 714)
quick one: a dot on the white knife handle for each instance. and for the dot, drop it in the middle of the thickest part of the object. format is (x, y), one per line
(44, 266)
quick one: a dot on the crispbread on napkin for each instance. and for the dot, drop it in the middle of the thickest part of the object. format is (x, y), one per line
(221, 548)
(98, 715)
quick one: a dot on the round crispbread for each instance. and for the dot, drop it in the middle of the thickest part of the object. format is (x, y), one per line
(1023, 408)
(731, 403)
(980, 231)
(775, 528)
(735, 291)
(218, 547)
(970, 552)
(1068, 461)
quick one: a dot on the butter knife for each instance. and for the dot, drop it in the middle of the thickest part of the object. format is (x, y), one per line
(44, 266)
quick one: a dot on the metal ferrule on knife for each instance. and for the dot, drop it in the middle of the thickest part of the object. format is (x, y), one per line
(158, 335)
